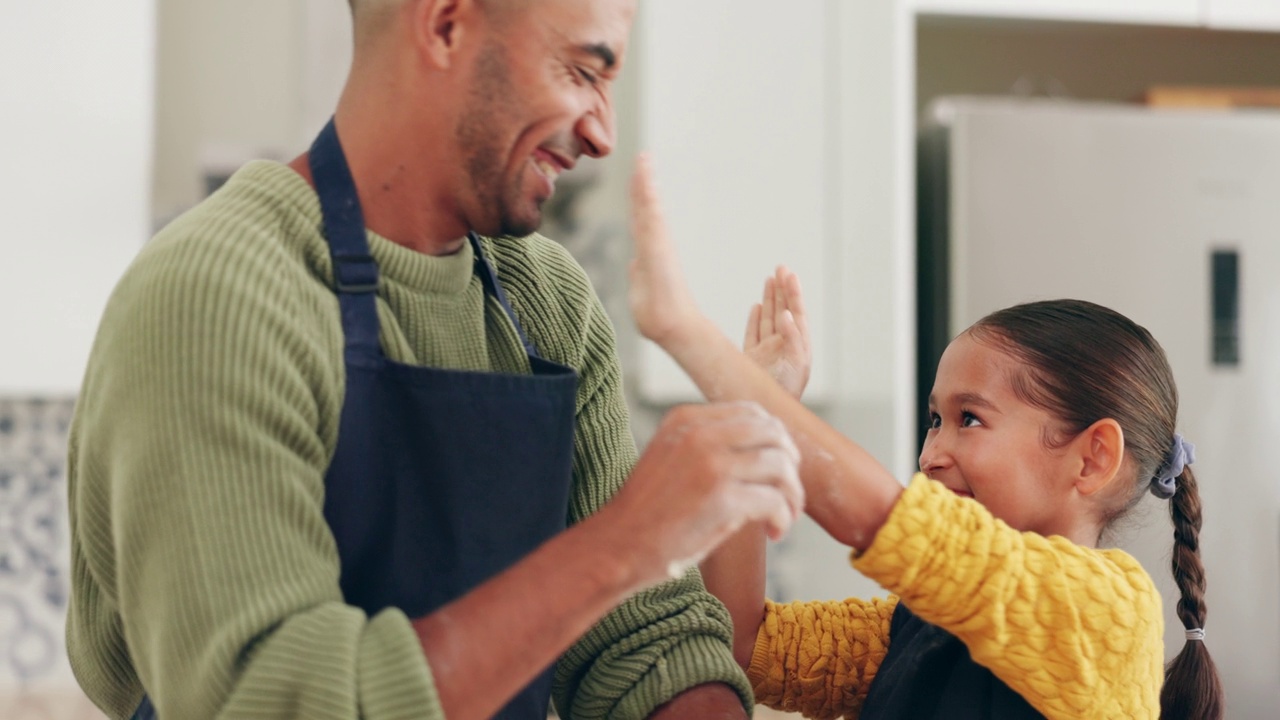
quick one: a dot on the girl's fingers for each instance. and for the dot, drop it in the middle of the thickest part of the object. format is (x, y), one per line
(768, 310)
(752, 337)
(790, 331)
(779, 296)
(795, 303)
(647, 224)
(642, 197)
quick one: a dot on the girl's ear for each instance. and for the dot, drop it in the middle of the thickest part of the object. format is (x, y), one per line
(1101, 455)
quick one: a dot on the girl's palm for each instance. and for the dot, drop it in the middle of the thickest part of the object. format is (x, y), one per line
(777, 336)
(660, 300)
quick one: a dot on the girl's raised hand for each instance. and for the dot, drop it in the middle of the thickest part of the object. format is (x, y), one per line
(777, 336)
(660, 300)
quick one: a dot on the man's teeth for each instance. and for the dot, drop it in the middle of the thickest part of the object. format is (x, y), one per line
(551, 171)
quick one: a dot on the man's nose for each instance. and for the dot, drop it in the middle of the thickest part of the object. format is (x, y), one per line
(598, 131)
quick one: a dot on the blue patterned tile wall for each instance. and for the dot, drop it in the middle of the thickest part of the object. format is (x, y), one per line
(34, 555)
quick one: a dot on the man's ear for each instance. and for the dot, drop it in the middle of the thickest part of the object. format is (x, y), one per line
(1100, 450)
(440, 26)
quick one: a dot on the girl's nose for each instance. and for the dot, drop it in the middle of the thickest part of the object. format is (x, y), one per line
(933, 456)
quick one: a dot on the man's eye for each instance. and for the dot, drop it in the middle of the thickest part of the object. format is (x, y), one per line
(587, 75)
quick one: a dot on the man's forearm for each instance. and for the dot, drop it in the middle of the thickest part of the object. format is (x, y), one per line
(713, 701)
(487, 645)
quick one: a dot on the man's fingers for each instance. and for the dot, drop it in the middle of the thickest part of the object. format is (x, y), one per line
(743, 427)
(729, 422)
(777, 471)
(765, 504)
(755, 434)
(713, 469)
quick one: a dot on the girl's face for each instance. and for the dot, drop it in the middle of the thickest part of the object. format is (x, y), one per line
(986, 443)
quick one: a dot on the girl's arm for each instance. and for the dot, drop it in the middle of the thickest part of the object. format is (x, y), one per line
(777, 339)
(734, 573)
(847, 491)
(1075, 631)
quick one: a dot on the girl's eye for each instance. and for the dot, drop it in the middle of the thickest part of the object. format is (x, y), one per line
(968, 419)
(935, 421)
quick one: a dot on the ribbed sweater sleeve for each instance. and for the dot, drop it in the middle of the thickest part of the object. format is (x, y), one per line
(205, 425)
(1073, 630)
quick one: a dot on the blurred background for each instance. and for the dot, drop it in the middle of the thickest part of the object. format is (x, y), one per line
(918, 162)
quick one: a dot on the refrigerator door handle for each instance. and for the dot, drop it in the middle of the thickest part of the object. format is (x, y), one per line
(1225, 310)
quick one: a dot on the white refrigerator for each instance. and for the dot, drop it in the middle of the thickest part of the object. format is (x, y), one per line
(1173, 218)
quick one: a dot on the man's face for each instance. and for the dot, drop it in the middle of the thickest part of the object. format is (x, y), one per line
(540, 99)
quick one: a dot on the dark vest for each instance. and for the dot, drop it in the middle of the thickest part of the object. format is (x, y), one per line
(929, 675)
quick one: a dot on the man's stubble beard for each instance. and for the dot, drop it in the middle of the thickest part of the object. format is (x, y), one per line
(479, 135)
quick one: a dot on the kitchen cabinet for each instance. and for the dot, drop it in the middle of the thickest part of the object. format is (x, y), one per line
(1251, 15)
(1154, 12)
(1261, 15)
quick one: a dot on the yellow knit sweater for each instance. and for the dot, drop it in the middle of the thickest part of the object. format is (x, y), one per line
(1075, 631)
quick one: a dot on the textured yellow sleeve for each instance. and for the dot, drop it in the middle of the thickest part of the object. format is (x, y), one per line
(818, 658)
(1075, 631)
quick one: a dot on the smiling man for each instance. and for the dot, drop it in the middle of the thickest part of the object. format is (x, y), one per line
(352, 441)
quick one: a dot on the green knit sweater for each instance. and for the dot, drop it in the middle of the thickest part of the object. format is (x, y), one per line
(203, 568)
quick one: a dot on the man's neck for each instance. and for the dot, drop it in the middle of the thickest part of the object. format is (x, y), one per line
(392, 191)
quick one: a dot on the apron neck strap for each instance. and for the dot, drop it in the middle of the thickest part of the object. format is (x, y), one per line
(355, 273)
(490, 279)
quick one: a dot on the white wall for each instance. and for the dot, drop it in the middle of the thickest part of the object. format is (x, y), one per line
(76, 85)
(112, 112)
(230, 87)
(742, 144)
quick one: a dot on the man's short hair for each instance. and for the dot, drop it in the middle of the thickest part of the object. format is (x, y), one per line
(499, 8)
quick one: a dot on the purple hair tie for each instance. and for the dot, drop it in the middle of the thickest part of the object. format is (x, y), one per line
(1182, 454)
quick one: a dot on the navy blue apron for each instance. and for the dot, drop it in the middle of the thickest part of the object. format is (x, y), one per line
(929, 675)
(441, 479)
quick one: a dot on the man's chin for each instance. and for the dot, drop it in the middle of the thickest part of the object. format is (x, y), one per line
(512, 225)
(519, 229)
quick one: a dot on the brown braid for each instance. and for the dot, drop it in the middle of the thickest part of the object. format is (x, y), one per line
(1192, 689)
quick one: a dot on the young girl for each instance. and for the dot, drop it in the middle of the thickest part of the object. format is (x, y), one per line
(1049, 421)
